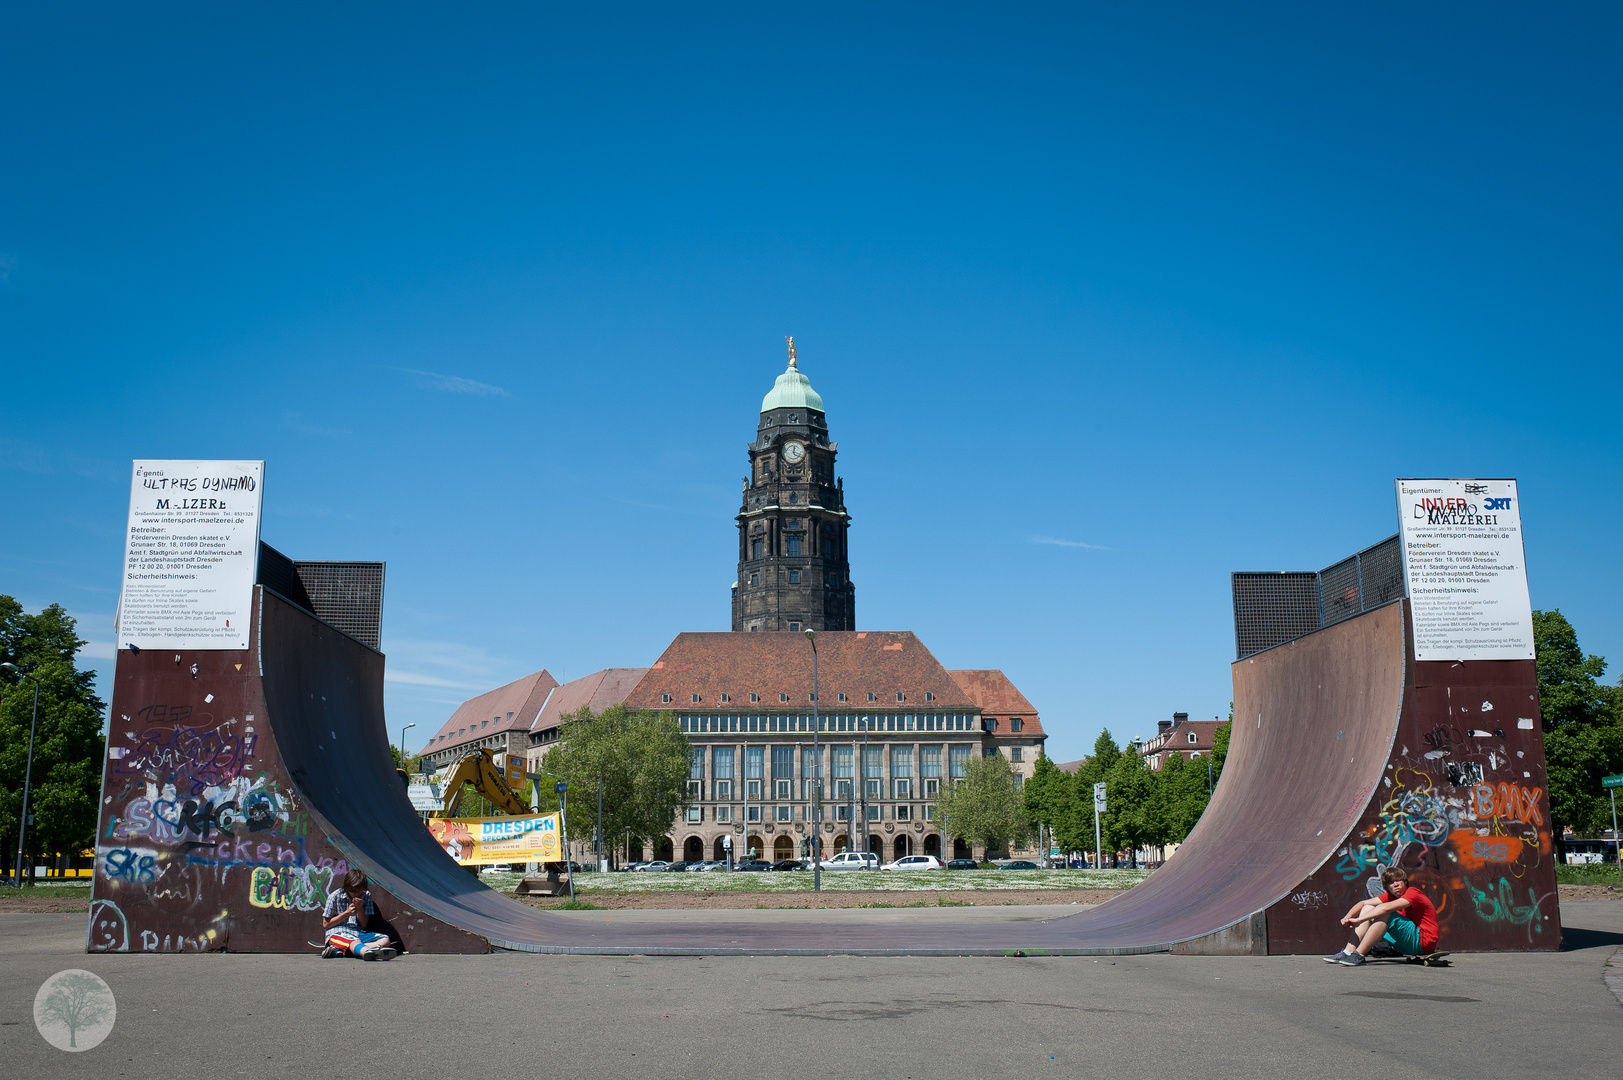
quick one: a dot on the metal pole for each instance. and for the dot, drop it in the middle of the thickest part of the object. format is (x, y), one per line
(599, 839)
(563, 828)
(817, 777)
(1098, 845)
(745, 750)
(1614, 823)
(403, 744)
(867, 841)
(28, 779)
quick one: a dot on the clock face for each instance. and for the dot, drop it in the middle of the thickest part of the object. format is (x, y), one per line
(793, 452)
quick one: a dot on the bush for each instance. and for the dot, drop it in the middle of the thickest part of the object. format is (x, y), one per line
(1588, 874)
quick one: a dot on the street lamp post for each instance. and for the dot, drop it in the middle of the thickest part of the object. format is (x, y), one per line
(817, 776)
(403, 744)
(28, 774)
(867, 841)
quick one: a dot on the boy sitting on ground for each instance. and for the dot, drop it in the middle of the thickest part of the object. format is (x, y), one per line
(1400, 922)
(346, 919)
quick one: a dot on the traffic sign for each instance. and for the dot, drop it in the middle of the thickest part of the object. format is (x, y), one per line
(560, 787)
(1099, 797)
(1611, 781)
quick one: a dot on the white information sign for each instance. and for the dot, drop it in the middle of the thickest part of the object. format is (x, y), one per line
(191, 554)
(1464, 569)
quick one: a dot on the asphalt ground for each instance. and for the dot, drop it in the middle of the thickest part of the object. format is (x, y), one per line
(511, 1014)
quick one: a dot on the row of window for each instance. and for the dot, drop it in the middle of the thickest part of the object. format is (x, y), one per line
(842, 758)
(709, 725)
(836, 812)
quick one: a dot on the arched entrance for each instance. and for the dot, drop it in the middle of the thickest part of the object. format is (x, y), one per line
(755, 847)
(783, 848)
(841, 843)
(875, 844)
(960, 850)
(932, 845)
(693, 850)
(634, 851)
(720, 848)
(903, 846)
(664, 849)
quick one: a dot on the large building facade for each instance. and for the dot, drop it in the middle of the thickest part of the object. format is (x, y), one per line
(773, 772)
(793, 570)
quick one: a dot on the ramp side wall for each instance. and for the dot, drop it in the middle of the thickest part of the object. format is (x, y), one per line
(1463, 805)
(204, 841)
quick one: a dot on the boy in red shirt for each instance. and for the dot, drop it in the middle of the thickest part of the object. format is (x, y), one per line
(1402, 917)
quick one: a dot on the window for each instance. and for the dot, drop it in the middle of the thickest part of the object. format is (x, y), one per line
(721, 762)
(695, 763)
(929, 813)
(842, 813)
(843, 764)
(929, 696)
(695, 698)
(900, 696)
(793, 541)
(901, 761)
(783, 813)
(1014, 725)
(784, 792)
(726, 697)
(991, 723)
(875, 813)
(695, 813)
(870, 695)
(931, 786)
(484, 724)
(755, 553)
(783, 697)
(958, 759)
(752, 790)
(795, 498)
(755, 579)
(990, 751)
(783, 766)
(753, 762)
(904, 813)
(841, 696)
(755, 813)
(666, 698)
(724, 813)
(794, 577)
(1193, 754)
(794, 627)
(1192, 737)
(904, 789)
(755, 697)
(930, 764)
(873, 762)
(754, 628)
(1016, 754)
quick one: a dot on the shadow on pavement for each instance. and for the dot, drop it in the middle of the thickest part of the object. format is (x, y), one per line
(1574, 938)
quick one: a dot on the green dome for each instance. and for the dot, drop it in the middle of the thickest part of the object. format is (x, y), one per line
(792, 391)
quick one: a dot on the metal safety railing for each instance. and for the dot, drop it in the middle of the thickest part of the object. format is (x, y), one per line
(1271, 608)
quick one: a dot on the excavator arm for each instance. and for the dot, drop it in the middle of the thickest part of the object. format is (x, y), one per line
(479, 769)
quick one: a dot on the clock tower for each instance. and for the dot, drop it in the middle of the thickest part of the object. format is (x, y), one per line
(793, 569)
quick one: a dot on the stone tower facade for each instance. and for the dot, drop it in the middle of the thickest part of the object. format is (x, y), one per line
(793, 569)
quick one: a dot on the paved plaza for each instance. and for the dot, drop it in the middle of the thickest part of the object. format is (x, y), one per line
(510, 1014)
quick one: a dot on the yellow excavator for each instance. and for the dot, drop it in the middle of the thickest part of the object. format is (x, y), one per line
(479, 769)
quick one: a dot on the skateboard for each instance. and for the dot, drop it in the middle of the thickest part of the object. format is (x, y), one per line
(1435, 959)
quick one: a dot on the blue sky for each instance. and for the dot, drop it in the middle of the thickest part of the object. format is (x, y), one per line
(1104, 303)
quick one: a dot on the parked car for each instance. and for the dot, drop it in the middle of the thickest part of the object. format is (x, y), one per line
(1019, 864)
(852, 860)
(713, 864)
(657, 866)
(753, 864)
(963, 864)
(676, 867)
(790, 864)
(914, 862)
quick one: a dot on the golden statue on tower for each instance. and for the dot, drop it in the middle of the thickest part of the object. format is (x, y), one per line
(791, 342)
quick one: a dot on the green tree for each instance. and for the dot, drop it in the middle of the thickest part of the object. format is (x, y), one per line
(1045, 792)
(68, 744)
(984, 807)
(1582, 722)
(1136, 815)
(641, 760)
(1183, 796)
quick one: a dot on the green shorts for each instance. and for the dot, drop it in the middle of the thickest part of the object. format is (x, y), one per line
(1403, 935)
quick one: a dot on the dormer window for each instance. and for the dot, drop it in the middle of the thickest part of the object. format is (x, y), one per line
(929, 696)
(783, 698)
(695, 698)
(1014, 723)
(900, 696)
(1192, 737)
(871, 695)
(842, 696)
(755, 697)
(724, 697)
(666, 698)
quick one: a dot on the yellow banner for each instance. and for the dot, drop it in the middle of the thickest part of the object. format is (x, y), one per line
(498, 839)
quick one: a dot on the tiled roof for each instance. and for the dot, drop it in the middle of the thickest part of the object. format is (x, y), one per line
(506, 708)
(597, 691)
(1071, 766)
(853, 662)
(997, 696)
